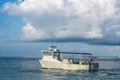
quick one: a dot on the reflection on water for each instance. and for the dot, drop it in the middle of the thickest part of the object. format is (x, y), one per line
(30, 69)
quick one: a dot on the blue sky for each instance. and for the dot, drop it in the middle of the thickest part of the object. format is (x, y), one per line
(78, 25)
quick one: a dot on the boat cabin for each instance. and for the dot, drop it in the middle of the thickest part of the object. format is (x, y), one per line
(53, 52)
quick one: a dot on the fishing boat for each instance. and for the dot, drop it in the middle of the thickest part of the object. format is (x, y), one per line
(52, 60)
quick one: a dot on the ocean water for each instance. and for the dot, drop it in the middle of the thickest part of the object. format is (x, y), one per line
(30, 69)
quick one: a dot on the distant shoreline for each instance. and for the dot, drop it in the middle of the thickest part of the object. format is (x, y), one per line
(17, 57)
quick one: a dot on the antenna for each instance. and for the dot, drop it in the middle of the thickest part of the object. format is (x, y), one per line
(49, 41)
(52, 40)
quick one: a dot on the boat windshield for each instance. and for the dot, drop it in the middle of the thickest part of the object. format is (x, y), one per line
(47, 53)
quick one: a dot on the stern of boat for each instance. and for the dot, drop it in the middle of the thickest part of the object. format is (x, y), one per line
(94, 66)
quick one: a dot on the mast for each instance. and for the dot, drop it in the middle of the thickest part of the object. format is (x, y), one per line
(52, 40)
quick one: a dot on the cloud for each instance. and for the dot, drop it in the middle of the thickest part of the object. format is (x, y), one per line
(69, 20)
(31, 33)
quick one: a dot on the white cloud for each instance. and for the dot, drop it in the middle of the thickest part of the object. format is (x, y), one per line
(32, 33)
(95, 32)
(67, 18)
(112, 33)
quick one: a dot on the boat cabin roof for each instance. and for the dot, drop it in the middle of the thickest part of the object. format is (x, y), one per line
(46, 51)
(76, 53)
(53, 49)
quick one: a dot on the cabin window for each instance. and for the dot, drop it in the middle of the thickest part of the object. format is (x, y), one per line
(47, 53)
(56, 54)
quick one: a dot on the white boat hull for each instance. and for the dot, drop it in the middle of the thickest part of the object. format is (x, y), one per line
(61, 65)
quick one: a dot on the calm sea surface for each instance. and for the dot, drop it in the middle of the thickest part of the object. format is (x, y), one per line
(30, 69)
